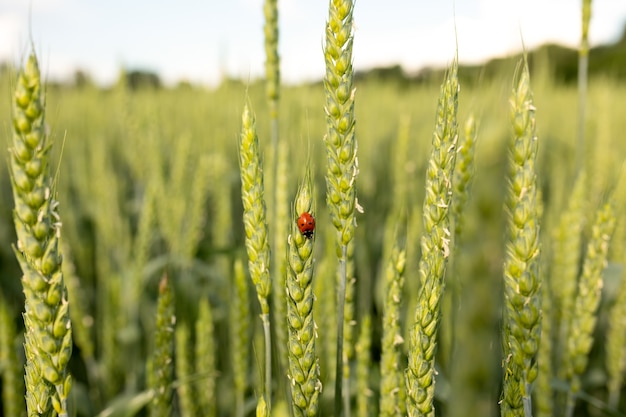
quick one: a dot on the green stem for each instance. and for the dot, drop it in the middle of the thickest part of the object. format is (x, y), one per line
(274, 127)
(571, 402)
(341, 298)
(583, 64)
(268, 360)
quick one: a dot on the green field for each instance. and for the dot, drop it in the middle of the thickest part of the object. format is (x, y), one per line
(148, 183)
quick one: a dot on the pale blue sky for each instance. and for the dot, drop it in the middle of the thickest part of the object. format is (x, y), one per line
(200, 39)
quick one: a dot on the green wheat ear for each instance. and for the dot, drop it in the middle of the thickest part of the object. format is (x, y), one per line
(392, 386)
(48, 338)
(583, 321)
(435, 243)
(615, 340)
(239, 336)
(184, 370)
(364, 366)
(160, 367)
(272, 62)
(254, 215)
(342, 170)
(303, 360)
(205, 358)
(255, 225)
(341, 144)
(522, 313)
(615, 361)
(463, 174)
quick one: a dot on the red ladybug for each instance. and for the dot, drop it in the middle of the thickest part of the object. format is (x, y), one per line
(306, 224)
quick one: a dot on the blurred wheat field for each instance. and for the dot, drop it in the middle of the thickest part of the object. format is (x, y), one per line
(148, 181)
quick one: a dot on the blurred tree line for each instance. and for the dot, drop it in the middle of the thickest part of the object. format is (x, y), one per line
(604, 60)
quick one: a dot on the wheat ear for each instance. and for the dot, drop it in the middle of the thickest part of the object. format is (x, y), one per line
(205, 359)
(184, 371)
(464, 173)
(392, 387)
(616, 343)
(363, 347)
(48, 338)
(255, 225)
(435, 243)
(303, 360)
(160, 372)
(543, 395)
(580, 336)
(272, 65)
(341, 148)
(522, 315)
(567, 244)
(239, 336)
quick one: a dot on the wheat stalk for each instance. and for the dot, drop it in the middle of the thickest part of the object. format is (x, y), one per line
(583, 65)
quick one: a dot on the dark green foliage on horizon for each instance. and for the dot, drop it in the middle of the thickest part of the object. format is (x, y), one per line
(607, 60)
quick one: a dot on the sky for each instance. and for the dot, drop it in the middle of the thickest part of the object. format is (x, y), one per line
(202, 40)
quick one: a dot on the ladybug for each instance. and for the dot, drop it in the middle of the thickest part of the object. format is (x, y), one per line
(306, 224)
